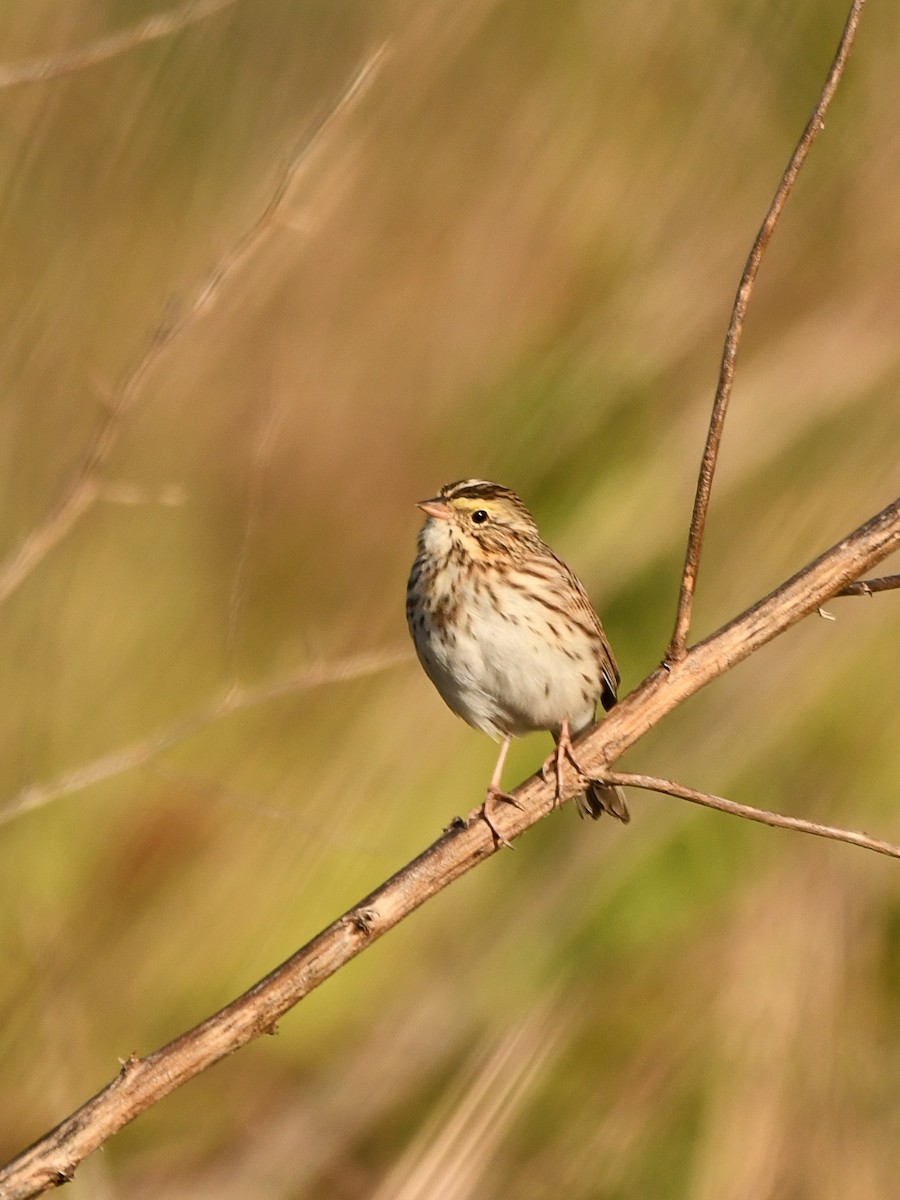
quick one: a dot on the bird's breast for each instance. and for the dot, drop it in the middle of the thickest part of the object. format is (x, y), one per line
(503, 653)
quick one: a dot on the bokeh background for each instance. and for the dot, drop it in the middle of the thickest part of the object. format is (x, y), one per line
(513, 257)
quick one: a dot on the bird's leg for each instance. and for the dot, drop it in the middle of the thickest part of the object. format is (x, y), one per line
(495, 792)
(564, 750)
(567, 749)
(494, 788)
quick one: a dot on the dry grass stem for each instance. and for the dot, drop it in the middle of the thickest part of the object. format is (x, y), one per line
(264, 446)
(455, 1147)
(814, 126)
(237, 699)
(85, 488)
(151, 29)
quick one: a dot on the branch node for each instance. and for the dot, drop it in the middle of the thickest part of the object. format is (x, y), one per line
(127, 1066)
(363, 920)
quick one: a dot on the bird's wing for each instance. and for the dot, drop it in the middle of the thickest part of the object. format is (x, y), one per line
(574, 589)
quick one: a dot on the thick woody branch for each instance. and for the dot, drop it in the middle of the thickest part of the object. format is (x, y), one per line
(814, 126)
(143, 1081)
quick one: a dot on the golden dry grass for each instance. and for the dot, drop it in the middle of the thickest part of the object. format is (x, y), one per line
(513, 259)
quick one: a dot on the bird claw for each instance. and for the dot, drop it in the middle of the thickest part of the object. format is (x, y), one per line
(555, 766)
(483, 813)
(552, 772)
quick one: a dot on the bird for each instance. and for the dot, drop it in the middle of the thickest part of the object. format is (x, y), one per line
(505, 631)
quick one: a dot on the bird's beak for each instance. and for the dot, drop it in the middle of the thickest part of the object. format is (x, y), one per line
(436, 508)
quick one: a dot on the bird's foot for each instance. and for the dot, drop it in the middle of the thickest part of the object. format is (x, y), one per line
(551, 773)
(483, 812)
(555, 768)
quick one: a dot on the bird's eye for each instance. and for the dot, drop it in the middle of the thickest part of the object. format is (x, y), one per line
(479, 516)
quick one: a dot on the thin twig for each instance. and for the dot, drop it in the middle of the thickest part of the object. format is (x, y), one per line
(868, 587)
(85, 489)
(814, 126)
(236, 699)
(144, 1081)
(669, 787)
(151, 29)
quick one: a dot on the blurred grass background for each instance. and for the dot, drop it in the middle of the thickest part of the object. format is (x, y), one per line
(514, 259)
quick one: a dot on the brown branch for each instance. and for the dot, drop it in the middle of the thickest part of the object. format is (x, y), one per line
(868, 587)
(678, 645)
(237, 699)
(38, 70)
(670, 788)
(85, 489)
(144, 1081)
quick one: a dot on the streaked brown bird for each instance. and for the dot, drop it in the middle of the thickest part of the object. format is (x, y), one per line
(506, 632)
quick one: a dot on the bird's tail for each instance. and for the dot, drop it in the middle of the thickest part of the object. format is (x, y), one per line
(599, 798)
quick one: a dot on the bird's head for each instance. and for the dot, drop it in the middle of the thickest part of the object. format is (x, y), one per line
(478, 517)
